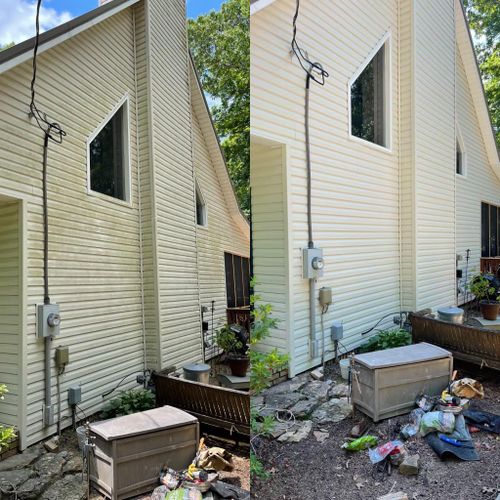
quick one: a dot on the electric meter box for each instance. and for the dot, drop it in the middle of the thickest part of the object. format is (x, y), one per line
(48, 320)
(312, 259)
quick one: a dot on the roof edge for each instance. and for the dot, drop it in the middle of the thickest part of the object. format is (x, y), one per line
(22, 52)
(258, 5)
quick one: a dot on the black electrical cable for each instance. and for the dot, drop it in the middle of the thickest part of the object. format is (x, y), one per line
(54, 132)
(382, 319)
(314, 71)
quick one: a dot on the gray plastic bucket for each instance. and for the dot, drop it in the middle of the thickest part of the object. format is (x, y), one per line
(197, 372)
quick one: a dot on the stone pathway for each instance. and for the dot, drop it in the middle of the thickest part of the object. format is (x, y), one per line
(313, 403)
(39, 474)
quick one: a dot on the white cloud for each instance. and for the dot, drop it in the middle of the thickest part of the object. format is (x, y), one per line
(17, 20)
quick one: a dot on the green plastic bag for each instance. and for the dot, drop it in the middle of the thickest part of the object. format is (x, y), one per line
(361, 443)
(184, 494)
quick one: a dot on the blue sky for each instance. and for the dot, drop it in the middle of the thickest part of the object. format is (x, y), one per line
(17, 19)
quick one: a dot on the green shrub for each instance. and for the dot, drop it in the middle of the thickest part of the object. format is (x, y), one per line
(129, 402)
(386, 339)
(7, 434)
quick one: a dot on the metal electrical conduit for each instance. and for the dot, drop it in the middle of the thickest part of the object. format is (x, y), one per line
(315, 72)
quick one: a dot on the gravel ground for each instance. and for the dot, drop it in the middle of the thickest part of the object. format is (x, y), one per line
(326, 472)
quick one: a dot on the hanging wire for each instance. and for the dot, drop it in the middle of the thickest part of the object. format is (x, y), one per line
(53, 130)
(314, 70)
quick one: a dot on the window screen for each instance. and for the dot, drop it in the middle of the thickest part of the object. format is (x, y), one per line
(237, 280)
(368, 102)
(107, 158)
(201, 214)
(490, 245)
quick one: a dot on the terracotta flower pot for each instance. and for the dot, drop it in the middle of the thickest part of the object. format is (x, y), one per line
(489, 309)
(238, 365)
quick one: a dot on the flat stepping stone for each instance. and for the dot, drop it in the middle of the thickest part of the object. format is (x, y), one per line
(332, 411)
(12, 479)
(304, 408)
(68, 488)
(339, 391)
(317, 389)
(283, 401)
(20, 460)
(297, 434)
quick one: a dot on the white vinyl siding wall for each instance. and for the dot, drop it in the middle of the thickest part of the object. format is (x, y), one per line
(435, 152)
(94, 264)
(481, 183)
(270, 237)
(219, 235)
(355, 186)
(11, 317)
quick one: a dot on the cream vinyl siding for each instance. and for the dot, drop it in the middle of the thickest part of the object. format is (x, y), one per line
(221, 234)
(94, 264)
(355, 188)
(174, 195)
(480, 184)
(11, 317)
(435, 152)
(270, 237)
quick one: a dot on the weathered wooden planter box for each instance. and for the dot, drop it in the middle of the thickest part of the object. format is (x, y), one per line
(468, 343)
(386, 383)
(131, 450)
(228, 409)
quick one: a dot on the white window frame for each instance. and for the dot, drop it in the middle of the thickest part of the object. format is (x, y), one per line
(199, 193)
(125, 102)
(387, 41)
(463, 151)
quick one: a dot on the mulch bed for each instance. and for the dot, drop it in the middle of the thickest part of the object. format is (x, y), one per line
(326, 472)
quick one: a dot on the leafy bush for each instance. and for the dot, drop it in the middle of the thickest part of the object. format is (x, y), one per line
(7, 434)
(482, 288)
(262, 367)
(228, 341)
(129, 402)
(386, 339)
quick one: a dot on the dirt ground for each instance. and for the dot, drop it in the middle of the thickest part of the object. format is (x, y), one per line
(326, 472)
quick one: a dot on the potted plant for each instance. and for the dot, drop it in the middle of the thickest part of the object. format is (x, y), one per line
(486, 294)
(232, 339)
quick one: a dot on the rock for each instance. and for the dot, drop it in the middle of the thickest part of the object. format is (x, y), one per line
(34, 487)
(410, 465)
(52, 445)
(334, 410)
(399, 495)
(256, 401)
(20, 460)
(317, 374)
(283, 401)
(51, 464)
(73, 465)
(339, 391)
(292, 385)
(317, 390)
(68, 488)
(304, 408)
(14, 478)
(297, 434)
(321, 437)
(280, 428)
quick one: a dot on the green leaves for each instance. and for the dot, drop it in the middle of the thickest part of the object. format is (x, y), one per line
(220, 44)
(386, 339)
(128, 402)
(484, 19)
(7, 434)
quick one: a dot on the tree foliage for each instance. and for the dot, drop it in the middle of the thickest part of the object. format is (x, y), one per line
(220, 44)
(484, 19)
(6, 46)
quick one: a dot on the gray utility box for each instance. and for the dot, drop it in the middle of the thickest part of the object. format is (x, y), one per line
(386, 383)
(130, 451)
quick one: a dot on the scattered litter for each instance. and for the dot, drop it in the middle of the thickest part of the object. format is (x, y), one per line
(483, 420)
(361, 443)
(467, 388)
(360, 428)
(409, 430)
(184, 494)
(381, 452)
(426, 403)
(437, 421)
(215, 458)
(465, 451)
(410, 465)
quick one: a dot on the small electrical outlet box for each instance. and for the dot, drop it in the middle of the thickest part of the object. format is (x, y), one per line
(61, 356)
(74, 395)
(48, 320)
(337, 330)
(313, 263)
(49, 415)
(325, 296)
(459, 273)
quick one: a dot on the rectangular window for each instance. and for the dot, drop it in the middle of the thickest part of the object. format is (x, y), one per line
(237, 280)
(369, 101)
(108, 157)
(490, 219)
(201, 208)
